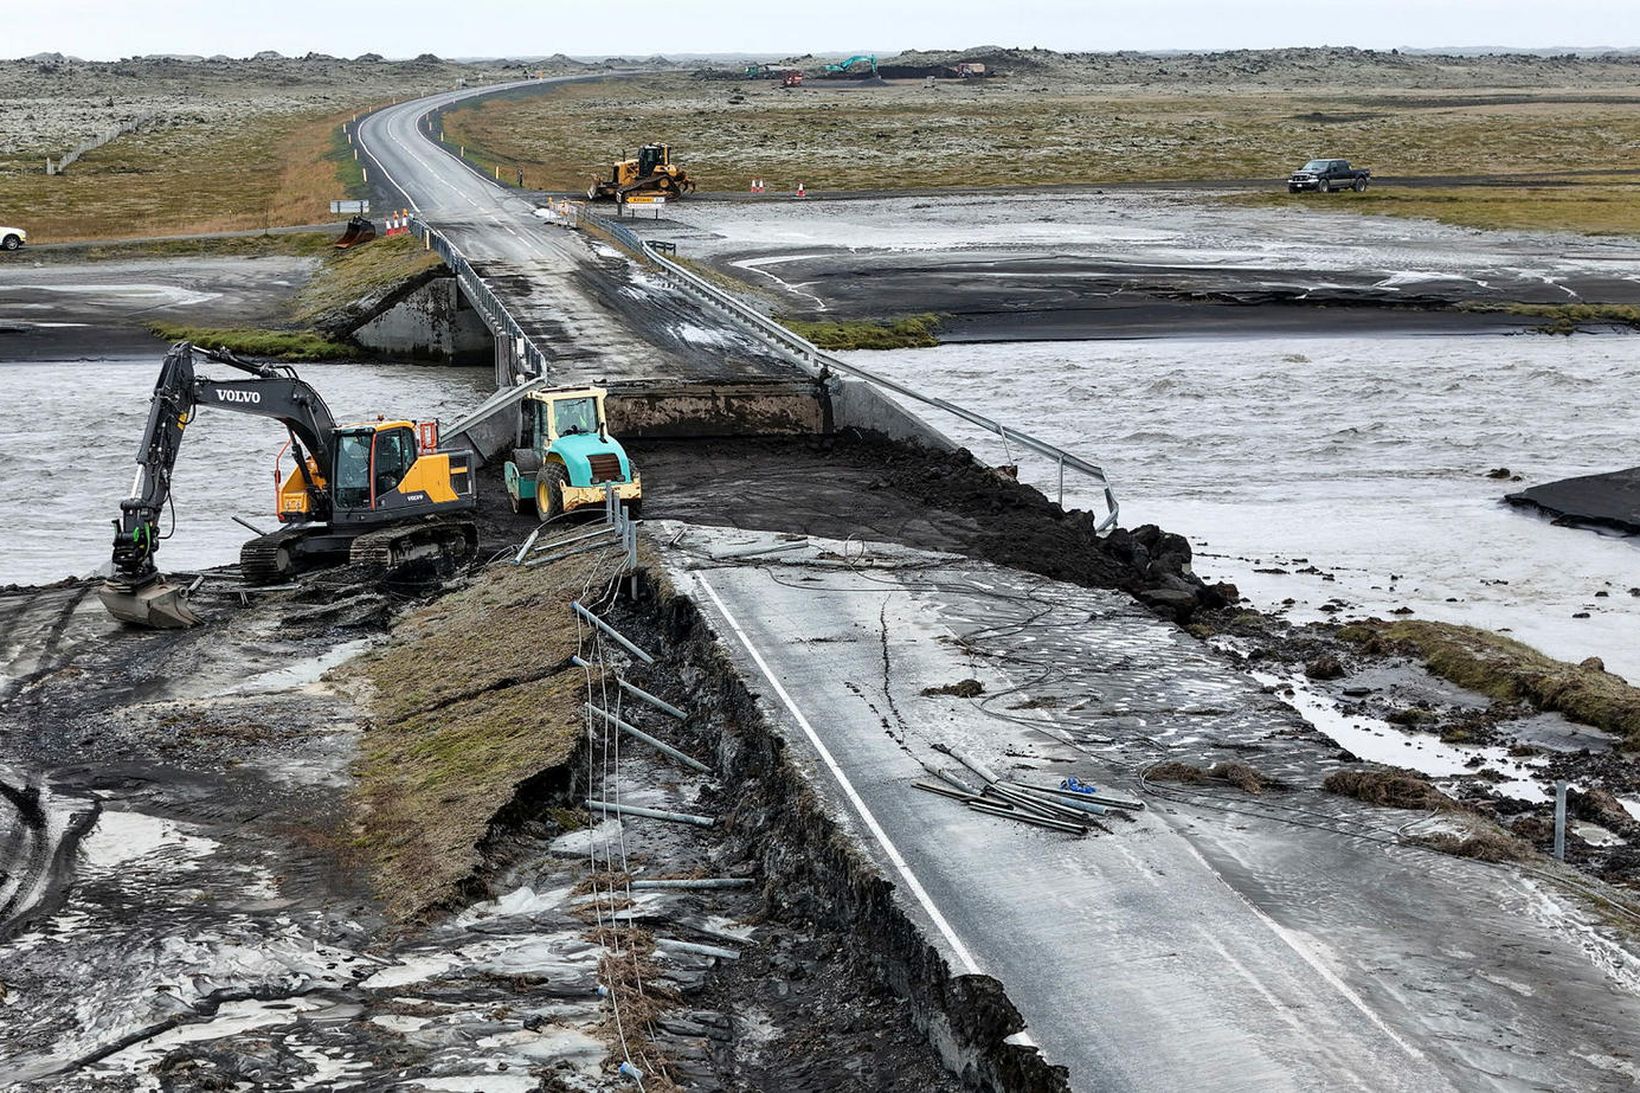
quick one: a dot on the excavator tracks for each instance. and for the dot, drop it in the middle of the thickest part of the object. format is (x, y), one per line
(271, 558)
(441, 542)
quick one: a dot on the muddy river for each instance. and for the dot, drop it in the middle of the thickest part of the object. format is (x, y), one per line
(1365, 460)
(77, 441)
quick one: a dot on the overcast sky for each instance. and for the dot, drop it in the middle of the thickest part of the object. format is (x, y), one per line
(107, 29)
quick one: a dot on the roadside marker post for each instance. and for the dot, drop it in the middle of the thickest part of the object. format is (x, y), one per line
(1560, 821)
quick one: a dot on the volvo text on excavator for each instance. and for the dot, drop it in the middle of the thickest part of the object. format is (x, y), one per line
(378, 493)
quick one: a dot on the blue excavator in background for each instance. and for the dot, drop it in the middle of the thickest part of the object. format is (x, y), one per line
(846, 68)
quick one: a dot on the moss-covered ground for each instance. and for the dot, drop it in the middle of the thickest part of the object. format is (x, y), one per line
(907, 332)
(342, 280)
(474, 696)
(1508, 671)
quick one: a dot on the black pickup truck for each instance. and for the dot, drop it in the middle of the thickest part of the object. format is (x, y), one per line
(1327, 175)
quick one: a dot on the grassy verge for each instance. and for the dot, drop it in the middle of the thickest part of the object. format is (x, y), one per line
(344, 161)
(303, 244)
(474, 697)
(1509, 671)
(908, 332)
(179, 178)
(1568, 318)
(1022, 132)
(1594, 208)
(284, 345)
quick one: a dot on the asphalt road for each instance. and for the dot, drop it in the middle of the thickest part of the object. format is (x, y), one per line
(1268, 949)
(582, 303)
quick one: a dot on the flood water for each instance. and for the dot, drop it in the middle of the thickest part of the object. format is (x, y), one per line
(1364, 458)
(68, 452)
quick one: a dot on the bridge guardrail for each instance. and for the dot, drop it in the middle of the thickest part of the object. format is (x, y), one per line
(818, 363)
(480, 295)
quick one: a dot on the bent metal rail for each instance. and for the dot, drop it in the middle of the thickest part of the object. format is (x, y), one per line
(804, 353)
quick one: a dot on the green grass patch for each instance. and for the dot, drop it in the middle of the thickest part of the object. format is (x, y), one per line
(908, 332)
(473, 697)
(358, 277)
(1508, 671)
(1567, 318)
(284, 345)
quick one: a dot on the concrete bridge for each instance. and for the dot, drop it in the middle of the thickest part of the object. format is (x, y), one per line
(680, 356)
(563, 309)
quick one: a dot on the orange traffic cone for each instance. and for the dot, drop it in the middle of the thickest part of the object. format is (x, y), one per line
(801, 192)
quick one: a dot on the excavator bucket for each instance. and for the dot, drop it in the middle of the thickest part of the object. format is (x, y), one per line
(158, 605)
(359, 230)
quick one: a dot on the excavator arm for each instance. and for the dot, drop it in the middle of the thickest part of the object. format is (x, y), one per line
(136, 593)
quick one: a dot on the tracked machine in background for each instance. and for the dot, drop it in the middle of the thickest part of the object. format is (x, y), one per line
(378, 493)
(653, 172)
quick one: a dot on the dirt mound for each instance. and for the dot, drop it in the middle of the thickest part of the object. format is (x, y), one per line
(964, 688)
(1483, 844)
(877, 489)
(1391, 788)
(1234, 772)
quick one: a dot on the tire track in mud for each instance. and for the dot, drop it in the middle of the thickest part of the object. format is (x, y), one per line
(41, 828)
(43, 831)
(46, 660)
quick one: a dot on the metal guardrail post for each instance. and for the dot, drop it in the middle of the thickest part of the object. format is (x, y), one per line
(1560, 820)
(644, 696)
(659, 745)
(614, 634)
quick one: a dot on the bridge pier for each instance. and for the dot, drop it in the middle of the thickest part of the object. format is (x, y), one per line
(506, 361)
(433, 322)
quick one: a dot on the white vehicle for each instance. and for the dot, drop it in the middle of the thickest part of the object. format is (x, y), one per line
(12, 238)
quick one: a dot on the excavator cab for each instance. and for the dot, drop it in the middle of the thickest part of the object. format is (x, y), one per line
(372, 462)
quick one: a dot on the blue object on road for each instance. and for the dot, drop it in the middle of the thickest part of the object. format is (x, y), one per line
(1077, 786)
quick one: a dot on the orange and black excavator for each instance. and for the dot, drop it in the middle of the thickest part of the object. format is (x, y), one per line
(378, 492)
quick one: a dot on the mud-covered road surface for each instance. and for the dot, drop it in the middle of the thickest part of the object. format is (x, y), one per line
(1035, 266)
(93, 310)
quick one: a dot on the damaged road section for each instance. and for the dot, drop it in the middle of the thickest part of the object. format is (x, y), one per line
(1289, 936)
(286, 850)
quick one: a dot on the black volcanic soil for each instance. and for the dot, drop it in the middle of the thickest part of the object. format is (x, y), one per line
(864, 488)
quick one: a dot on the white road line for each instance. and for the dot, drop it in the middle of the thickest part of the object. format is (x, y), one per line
(1302, 948)
(849, 791)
